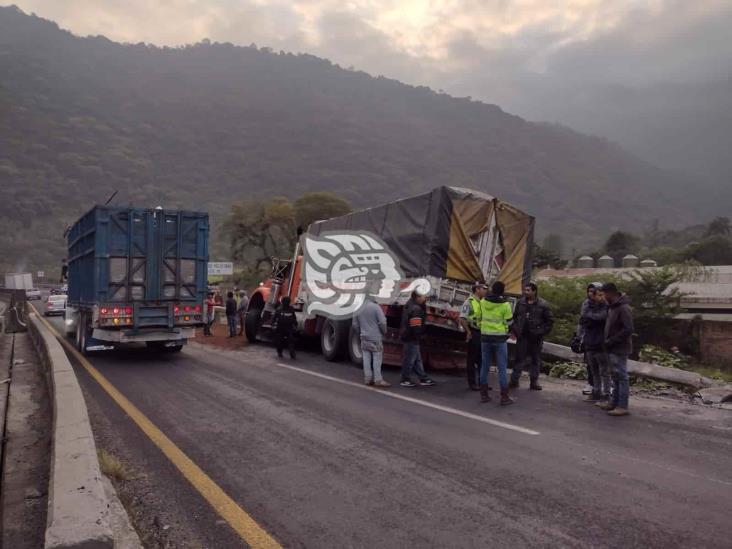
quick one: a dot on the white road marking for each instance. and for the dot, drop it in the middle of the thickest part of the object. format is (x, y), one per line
(424, 403)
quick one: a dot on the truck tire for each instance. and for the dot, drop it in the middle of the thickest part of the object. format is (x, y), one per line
(82, 333)
(334, 339)
(251, 324)
(354, 347)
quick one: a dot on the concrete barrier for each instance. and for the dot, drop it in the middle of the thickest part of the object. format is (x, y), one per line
(642, 369)
(78, 508)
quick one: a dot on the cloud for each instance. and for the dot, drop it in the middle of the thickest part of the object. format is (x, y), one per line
(593, 64)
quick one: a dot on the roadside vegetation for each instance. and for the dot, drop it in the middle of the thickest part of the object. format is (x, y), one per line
(111, 466)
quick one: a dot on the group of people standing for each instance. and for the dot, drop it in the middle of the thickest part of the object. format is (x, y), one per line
(605, 333)
(235, 306)
(489, 320)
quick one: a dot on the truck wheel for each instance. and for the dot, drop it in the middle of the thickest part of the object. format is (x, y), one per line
(251, 324)
(334, 339)
(354, 347)
(82, 333)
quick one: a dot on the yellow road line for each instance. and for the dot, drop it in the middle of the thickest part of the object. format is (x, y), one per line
(244, 525)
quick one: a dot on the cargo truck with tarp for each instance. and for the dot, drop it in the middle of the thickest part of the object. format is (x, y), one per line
(136, 276)
(451, 236)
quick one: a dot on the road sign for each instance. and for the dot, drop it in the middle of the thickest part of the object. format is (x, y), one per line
(220, 268)
(40, 274)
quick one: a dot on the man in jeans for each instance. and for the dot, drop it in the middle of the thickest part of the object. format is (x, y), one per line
(495, 318)
(593, 320)
(370, 323)
(231, 313)
(412, 328)
(619, 345)
(532, 321)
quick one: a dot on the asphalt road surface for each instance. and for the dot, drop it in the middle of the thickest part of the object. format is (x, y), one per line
(318, 460)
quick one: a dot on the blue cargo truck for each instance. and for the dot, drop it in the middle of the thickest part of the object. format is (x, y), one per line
(136, 276)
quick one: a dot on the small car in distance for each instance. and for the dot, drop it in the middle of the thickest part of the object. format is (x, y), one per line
(33, 294)
(61, 290)
(56, 305)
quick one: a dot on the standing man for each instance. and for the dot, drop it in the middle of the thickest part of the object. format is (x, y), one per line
(241, 310)
(412, 328)
(470, 320)
(231, 313)
(593, 288)
(210, 304)
(495, 319)
(618, 344)
(532, 321)
(284, 322)
(370, 322)
(593, 320)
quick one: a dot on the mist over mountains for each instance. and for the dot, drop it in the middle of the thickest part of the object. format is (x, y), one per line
(203, 125)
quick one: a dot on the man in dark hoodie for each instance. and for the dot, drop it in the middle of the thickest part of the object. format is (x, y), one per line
(495, 318)
(532, 320)
(412, 328)
(284, 322)
(618, 344)
(592, 321)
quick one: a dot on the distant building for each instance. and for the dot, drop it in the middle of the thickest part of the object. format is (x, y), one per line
(646, 263)
(630, 260)
(585, 262)
(606, 262)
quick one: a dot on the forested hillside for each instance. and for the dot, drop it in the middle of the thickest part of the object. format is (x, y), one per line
(202, 126)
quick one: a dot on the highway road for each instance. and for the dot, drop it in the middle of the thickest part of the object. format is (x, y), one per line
(316, 459)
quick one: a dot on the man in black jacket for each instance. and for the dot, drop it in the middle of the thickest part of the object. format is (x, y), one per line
(618, 344)
(231, 313)
(532, 320)
(412, 328)
(284, 323)
(592, 321)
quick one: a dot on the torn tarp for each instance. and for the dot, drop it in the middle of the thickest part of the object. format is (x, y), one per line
(450, 232)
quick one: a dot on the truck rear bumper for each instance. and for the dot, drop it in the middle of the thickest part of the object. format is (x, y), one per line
(126, 336)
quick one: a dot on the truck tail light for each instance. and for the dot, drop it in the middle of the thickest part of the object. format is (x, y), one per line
(176, 309)
(115, 311)
(103, 310)
(128, 310)
(197, 309)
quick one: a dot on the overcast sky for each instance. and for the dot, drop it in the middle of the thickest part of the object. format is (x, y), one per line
(603, 66)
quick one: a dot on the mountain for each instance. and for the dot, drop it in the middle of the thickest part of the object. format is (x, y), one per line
(203, 125)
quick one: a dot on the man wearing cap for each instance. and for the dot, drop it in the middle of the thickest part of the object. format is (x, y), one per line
(470, 320)
(532, 321)
(618, 344)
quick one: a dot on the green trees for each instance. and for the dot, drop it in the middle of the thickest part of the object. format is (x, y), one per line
(319, 205)
(620, 243)
(258, 230)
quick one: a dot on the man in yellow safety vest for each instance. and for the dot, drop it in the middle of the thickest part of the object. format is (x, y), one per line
(496, 316)
(470, 320)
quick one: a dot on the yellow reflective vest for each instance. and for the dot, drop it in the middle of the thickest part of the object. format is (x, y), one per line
(474, 314)
(495, 317)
